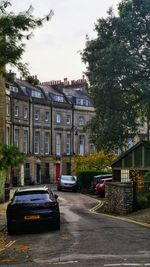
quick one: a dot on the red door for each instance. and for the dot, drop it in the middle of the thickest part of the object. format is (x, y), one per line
(57, 171)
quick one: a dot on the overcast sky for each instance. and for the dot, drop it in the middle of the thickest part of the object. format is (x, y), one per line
(53, 51)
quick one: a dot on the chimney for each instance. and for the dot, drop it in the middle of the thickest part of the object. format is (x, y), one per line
(11, 76)
(65, 82)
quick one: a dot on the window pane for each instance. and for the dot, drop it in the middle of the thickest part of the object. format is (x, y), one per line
(25, 113)
(47, 137)
(25, 144)
(16, 137)
(58, 118)
(58, 144)
(37, 143)
(16, 111)
(81, 144)
(68, 144)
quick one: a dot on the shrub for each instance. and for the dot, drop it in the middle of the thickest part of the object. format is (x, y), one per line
(143, 200)
(85, 178)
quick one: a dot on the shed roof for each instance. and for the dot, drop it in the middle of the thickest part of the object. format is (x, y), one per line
(137, 156)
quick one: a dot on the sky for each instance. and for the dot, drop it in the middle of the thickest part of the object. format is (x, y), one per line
(53, 53)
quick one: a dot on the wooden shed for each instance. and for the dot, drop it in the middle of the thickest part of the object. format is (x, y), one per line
(136, 158)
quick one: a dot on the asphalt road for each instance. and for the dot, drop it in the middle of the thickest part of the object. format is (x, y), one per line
(85, 239)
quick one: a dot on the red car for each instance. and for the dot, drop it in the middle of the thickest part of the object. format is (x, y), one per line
(100, 187)
(97, 179)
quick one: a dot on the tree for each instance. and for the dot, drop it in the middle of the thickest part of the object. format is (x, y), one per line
(118, 69)
(13, 29)
(10, 156)
(98, 161)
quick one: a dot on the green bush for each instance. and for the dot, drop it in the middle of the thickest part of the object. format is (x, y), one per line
(143, 200)
(2, 182)
(85, 178)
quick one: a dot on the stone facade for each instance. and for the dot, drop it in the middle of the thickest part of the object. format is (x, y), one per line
(47, 124)
(119, 198)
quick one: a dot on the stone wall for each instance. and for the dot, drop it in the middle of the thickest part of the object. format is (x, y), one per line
(119, 198)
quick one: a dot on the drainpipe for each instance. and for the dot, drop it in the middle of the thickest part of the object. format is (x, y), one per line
(51, 129)
(33, 136)
(29, 126)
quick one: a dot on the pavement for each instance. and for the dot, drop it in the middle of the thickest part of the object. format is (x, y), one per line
(3, 230)
(139, 217)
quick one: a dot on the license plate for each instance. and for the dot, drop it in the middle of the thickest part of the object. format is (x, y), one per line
(32, 217)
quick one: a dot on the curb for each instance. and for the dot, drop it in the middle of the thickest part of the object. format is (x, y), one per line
(100, 204)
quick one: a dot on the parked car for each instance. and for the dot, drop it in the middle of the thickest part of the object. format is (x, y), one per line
(67, 182)
(32, 206)
(96, 179)
(100, 187)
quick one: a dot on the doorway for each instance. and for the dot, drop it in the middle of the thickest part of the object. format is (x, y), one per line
(38, 173)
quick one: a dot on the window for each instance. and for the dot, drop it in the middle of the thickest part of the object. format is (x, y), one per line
(37, 143)
(46, 148)
(16, 111)
(82, 102)
(85, 102)
(7, 109)
(68, 119)
(25, 113)
(125, 176)
(58, 144)
(46, 170)
(81, 144)
(13, 88)
(81, 120)
(27, 170)
(58, 118)
(16, 137)
(58, 98)
(47, 116)
(7, 135)
(68, 141)
(25, 142)
(36, 94)
(92, 148)
(37, 115)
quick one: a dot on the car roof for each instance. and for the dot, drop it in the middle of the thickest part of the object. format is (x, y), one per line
(106, 179)
(103, 176)
(32, 188)
(65, 175)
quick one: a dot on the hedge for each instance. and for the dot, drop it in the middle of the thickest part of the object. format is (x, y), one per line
(84, 178)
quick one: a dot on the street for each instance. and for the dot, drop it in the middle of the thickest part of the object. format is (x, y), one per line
(85, 239)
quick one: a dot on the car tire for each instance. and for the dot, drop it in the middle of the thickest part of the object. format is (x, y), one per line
(56, 225)
(59, 188)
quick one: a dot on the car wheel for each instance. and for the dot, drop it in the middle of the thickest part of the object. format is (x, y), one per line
(59, 188)
(56, 225)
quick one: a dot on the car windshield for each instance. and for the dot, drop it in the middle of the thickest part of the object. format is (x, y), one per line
(67, 178)
(30, 197)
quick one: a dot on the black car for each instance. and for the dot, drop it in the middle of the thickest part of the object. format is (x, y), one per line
(32, 206)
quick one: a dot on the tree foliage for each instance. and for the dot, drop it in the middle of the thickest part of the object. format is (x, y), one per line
(10, 156)
(118, 69)
(13, 29)
(97, 161)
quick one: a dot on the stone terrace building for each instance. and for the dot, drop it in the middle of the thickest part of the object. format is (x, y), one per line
(47, 124)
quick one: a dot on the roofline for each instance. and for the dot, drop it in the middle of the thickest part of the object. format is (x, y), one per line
(129, 150)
